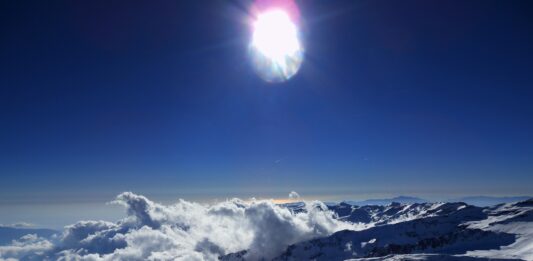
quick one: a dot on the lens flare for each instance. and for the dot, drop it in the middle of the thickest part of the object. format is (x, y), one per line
(275, 48)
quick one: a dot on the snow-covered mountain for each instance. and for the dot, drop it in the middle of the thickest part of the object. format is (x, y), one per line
(447, 229)
(422, 231)
(386, 201)
(485, 201)
(394, 212)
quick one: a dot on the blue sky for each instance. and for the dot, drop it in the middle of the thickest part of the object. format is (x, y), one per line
(393, 97)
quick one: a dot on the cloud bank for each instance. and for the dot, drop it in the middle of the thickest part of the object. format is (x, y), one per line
(182, 231)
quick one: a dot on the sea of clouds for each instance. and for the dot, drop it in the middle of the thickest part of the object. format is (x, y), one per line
(182, 231)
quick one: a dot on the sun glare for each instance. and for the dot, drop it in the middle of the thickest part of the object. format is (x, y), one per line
(276, 49)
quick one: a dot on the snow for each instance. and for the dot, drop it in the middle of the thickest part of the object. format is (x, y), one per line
(502, 219)
(425, 257)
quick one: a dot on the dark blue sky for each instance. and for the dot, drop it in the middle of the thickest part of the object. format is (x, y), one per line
(393, 97)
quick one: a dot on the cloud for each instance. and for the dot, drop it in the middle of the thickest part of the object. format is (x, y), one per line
(182, 231)
(19, 225)
(294, 195)
(27, 247)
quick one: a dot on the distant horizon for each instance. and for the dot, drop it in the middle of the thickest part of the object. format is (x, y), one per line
(197, 196)
(102, 210)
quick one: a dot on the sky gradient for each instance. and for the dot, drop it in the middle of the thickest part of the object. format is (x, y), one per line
(393, 97)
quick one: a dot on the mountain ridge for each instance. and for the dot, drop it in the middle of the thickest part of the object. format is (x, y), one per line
(422, 231)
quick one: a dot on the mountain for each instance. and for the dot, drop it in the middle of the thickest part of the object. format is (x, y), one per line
(428, 257)
(513, 218)
(8, 234)
(484, 201)
(446, 229)
(373, 215)
(387, 201)
(421, 231)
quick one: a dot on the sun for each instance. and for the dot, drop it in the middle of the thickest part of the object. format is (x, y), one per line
(276, 48)
(275, 35)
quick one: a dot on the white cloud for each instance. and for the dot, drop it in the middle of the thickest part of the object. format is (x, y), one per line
(182, 231)
(26, 247)
(294, 195)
